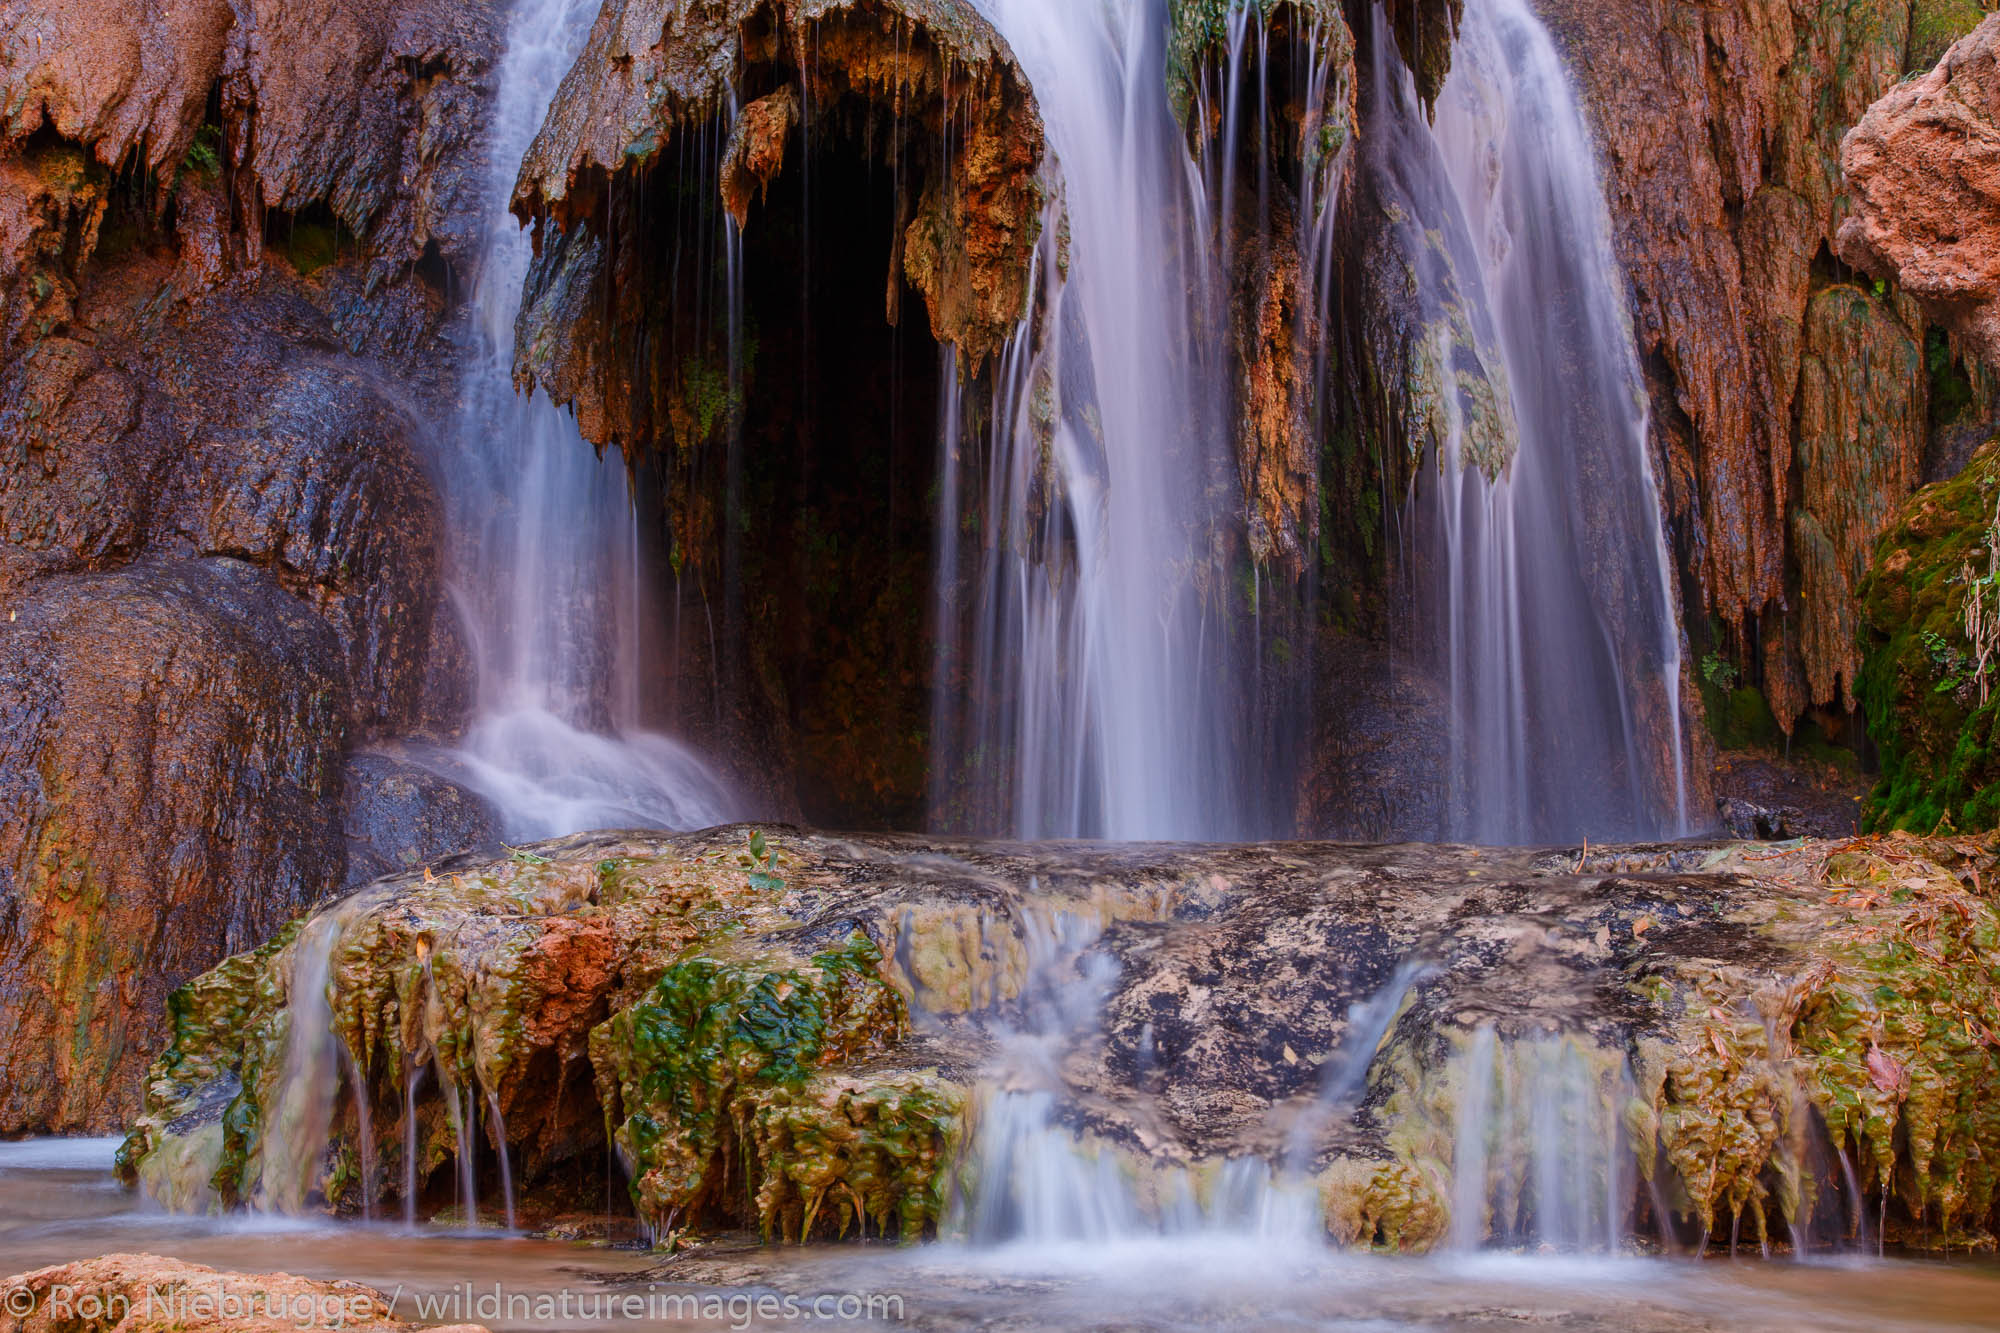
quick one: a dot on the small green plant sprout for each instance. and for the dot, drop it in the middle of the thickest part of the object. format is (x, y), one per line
(763, 863)
(1719, 671)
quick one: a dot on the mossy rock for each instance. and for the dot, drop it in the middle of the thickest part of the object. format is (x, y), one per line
(731, 1074)
(1919, 688)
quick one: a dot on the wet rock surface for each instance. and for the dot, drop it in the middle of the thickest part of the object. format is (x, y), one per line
(169, 769)
(372, 109)
(398, 815)
(804, 1033)
(1772, 800)
(225, 235)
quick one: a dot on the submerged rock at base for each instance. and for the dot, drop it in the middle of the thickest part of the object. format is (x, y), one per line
(808, 1034)
(144, 1293)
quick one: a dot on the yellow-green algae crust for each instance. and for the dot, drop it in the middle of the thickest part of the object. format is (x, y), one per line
(1879, 1025)
(1884, 1029)
(730, 1074)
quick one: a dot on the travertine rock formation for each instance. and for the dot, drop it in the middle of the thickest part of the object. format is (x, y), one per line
(1286, 173)
(1721, 128)
(367, 108)
(807, 1033)
(933, 71)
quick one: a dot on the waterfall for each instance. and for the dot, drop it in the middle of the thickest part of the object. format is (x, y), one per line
(299, 1129)
(295, 1140)
(1543, 582)
(1101, 670)
(547, 547)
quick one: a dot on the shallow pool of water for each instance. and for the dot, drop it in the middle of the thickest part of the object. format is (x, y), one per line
(58, 1203)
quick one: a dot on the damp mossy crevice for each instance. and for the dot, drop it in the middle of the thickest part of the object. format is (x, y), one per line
(1931, 704)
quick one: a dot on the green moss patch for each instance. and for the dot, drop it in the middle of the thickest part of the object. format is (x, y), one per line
(1920, 681)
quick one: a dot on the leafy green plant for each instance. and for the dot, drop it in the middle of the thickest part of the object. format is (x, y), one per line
(204, 155)
(763, 861)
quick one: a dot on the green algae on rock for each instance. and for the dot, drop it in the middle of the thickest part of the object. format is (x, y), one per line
(537, 980)
(741, 1067)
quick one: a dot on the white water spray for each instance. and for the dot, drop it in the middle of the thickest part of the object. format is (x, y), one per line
(548, 553)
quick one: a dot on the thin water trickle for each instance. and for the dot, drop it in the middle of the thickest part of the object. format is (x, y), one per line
(357, 1086)
(295, 1135)
(506, 1158)
(1345, 1073)
(547, 547)
(459, 1110)
(413, 1073)
(1545, 587)
(1540, 1153)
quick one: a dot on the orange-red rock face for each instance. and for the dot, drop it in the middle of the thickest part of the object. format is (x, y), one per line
(1721, 126)
(221, 559)
(1923, 169)
(144, 1293)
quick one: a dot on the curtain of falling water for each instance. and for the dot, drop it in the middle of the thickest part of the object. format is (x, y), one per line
(546, 545)
(1548, 587)
(1100, 663)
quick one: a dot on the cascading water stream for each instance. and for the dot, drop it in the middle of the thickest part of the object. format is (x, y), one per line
(1100, 659)
(547, 547)
(1543, 582)
(1037, 1184)
(295, 1140)
(1540, 1150)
